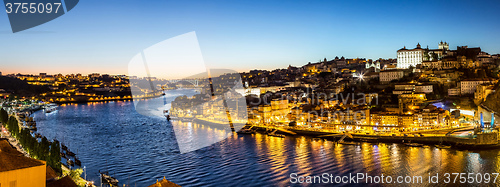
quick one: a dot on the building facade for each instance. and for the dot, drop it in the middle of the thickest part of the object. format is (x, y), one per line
(409, 57)
(16, 170)
(390, 75)
(424, 89)
(469, 86)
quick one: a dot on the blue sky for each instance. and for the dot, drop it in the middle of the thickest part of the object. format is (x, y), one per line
(102, 36)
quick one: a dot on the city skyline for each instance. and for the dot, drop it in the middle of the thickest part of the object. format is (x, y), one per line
(71, 72)
(249, 93)
(243, 35)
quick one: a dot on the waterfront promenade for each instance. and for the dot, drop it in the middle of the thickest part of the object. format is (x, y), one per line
(471, 140)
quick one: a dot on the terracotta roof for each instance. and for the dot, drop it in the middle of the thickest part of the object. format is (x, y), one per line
(50, 173)
(164, 183)
(11, 159)
(63, 182)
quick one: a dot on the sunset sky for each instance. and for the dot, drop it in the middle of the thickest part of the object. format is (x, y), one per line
(103, 36)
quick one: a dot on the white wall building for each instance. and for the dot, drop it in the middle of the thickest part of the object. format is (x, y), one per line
(410, 57)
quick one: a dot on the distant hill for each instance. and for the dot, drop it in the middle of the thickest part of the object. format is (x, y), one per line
(20, 87)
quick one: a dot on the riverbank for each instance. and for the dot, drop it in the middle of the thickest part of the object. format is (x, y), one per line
(104, 99)
(481, 140)
(14, 142)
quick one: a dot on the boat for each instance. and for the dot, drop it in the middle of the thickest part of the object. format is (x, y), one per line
(69, 153)
(443, 146)
(173, 118)
(78, 162)
(276, 135)
(106, 179)
(70, 162)
(370, 139)
(349, 143)
(246, 131)
(186, 119)
(50, 108)
(414, 144)
(64, 147)
(166, 114)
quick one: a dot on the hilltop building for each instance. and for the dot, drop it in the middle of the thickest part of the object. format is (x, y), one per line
(418, 55)
(410, 57)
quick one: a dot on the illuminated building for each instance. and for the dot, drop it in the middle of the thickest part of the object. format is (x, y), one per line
(407, 101)
(482, 91)
(16, 170)
(409, 57)
(469, 86)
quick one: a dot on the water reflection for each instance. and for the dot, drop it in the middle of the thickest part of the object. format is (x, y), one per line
(111, 136)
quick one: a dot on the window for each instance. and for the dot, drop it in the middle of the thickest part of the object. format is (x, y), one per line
(13, 183)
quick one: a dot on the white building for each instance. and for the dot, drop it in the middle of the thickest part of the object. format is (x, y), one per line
(410, 57)
(424, 88)
(469, 86)
(389, 75)
(375, 65)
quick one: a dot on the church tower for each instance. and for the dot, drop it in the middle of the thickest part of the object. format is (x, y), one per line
(444, 45)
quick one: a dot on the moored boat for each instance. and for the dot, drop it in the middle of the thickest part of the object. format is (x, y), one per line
(166, 114)
(276, 135)
(78, 162)
(349, 143)
(70, 162)
(50, 108)
(443, 146)
(246, 131)
(414, 144)
(106, 179)
(69, 153)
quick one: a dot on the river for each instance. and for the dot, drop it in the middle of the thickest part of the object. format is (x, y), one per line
(138, 150)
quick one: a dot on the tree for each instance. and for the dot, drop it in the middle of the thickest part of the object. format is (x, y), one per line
(426, 55)
(13, 126)
(55, 156)
(434, 56)
(4, 116)
(44, 149)
(75, 174)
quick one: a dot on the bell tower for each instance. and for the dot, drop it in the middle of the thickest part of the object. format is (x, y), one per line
(444, 45)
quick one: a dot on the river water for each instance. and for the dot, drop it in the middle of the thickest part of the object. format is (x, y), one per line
(138, 150)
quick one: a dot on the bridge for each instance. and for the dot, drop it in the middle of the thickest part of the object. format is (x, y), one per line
(194, 82)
